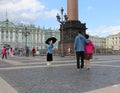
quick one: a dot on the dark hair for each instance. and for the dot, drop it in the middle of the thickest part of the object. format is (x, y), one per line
(86, 36)
(80, 32)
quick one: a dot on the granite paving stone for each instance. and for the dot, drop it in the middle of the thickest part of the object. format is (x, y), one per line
(64, 79)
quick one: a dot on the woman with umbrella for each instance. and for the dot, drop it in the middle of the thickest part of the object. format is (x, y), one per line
(49, 43)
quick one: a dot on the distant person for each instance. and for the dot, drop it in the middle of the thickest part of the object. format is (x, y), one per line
(89, 49)
(27, 51)
(11, 51)
(33, 51)
(79, 45)
(4, 53)
(69, 51)
(20, 51)
(49, 53)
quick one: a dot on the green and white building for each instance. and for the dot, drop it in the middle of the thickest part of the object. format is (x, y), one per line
(25, 35)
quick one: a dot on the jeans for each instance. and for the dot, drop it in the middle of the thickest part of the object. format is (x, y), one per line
(80, 56)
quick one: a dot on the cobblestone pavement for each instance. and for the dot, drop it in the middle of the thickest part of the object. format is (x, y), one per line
(32, 75)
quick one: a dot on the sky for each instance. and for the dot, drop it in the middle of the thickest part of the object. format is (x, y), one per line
(102, 17)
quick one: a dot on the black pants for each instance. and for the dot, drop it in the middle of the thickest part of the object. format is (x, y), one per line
(33, 53)
(49, 57)
(80, 55)
(4, 55)
(27, 54)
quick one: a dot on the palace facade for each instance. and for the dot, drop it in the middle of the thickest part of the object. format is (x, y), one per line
(113, 42)
(18, 36)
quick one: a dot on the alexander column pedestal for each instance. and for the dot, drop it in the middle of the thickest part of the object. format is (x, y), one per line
(69, 28)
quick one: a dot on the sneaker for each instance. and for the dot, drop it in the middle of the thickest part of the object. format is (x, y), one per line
(88, 68)
(48, 63)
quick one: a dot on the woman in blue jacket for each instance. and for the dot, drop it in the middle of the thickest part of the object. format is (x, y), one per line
(49, 52)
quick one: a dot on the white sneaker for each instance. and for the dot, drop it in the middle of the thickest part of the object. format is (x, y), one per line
(48, 63)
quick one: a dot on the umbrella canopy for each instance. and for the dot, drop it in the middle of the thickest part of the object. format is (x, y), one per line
(51, 38)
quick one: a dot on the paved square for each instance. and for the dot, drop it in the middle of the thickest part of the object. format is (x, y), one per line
(32, 75)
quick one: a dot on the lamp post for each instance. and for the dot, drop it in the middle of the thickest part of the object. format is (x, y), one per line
(62, 19)
(26, 33)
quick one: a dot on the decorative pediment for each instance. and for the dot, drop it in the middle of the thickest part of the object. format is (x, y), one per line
(7, 24)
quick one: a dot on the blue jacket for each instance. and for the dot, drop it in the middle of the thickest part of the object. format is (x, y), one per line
(79, 43)
(49, 48)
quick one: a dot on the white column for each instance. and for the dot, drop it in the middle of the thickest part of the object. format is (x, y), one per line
(13, 37)
(9, 36)
(32, 37)
(0, 35)
(20, 36)
(35, 37)
(39, 37)
(4, 35)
